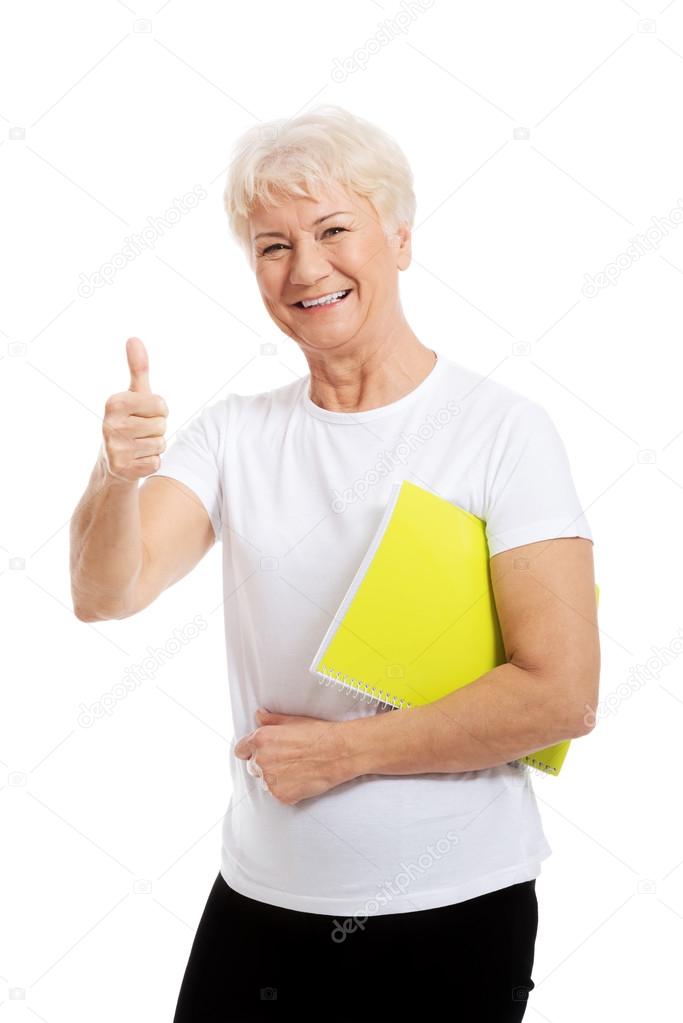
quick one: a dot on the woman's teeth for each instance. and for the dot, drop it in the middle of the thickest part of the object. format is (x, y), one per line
(326, 300)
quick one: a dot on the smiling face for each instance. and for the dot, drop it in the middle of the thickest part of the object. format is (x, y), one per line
(307, 249)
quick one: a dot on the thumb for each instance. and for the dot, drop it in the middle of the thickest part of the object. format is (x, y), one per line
(266, 717)
(138, 364)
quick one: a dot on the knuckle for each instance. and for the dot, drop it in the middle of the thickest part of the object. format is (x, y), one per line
(159, 404)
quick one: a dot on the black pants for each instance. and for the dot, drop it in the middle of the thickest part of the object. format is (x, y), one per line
(253, 961)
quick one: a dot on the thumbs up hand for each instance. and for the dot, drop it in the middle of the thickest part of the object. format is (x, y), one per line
(134, 422)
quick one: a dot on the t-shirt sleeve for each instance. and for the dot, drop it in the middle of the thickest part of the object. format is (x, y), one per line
(530, 492)
(194, 457)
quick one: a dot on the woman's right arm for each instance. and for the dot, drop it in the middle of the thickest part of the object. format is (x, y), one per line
(129, 543)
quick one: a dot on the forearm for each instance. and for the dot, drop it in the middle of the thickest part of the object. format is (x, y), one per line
(500, 717)
(106, 551)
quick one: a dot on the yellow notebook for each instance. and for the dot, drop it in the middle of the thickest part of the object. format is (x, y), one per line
(419, 618)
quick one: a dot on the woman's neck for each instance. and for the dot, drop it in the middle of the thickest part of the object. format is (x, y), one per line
(358, 382)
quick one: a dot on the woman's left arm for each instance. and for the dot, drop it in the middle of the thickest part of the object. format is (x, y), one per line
(546, 692)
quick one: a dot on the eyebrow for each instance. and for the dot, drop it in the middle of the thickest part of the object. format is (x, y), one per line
(279, 234)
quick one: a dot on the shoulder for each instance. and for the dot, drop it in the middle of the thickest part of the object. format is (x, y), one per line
(482, 398)
(235, 406)
(254, 409)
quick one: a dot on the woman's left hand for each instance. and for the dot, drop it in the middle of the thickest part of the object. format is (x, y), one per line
(298, 756)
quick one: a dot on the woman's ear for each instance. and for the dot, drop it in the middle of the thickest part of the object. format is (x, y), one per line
(403, 242)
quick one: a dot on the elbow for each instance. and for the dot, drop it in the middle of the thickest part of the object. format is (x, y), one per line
(573, 716)
(83, 607)
(572, 710)
(87, 614)
(585, 716)
(83, 612)
(83, 615)
(585, 724)
(90, 614)
(88, 609)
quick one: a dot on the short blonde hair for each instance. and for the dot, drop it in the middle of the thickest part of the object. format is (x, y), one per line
(283, 158)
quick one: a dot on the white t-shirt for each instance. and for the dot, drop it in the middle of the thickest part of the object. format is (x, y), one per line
(295, 492)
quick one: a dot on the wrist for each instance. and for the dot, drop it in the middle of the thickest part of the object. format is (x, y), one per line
(108, 478)
(354, 747)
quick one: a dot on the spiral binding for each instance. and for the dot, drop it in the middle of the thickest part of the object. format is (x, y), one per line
(541, 765)
(328, 676)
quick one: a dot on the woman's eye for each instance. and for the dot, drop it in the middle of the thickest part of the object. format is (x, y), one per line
(279, 245)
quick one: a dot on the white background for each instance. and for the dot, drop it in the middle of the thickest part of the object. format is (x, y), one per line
(544, 137)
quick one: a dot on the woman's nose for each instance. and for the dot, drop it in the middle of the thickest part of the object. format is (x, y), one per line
(308, 264)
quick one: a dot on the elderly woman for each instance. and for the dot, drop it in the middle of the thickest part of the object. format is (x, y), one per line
(372, 860)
